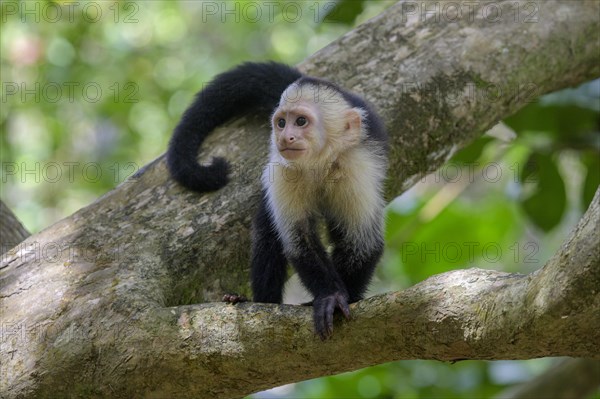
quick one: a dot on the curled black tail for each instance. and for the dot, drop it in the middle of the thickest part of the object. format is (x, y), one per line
(247, 87)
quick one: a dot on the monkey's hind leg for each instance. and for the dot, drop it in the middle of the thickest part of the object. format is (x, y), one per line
(269, 270)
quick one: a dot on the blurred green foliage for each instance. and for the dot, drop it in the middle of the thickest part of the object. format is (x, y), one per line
(345, 11)
(91, 95)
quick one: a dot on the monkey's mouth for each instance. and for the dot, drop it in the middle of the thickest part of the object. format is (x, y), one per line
(291, 153)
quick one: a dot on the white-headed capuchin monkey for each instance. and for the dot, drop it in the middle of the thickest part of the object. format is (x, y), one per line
(327, 161)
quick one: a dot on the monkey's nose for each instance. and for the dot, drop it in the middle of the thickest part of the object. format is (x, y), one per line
(291, 139)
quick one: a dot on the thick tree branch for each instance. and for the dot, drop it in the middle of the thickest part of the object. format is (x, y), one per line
(89, 304)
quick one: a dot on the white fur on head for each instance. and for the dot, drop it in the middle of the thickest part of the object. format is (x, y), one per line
(340, 126)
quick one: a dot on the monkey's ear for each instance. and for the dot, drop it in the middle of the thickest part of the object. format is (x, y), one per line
(352, 120)
(353, 125)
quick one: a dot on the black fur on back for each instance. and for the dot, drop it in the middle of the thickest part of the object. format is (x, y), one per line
(247, 87)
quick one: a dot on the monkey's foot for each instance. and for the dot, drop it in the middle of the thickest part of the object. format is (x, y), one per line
(234, 298)
(324, 307)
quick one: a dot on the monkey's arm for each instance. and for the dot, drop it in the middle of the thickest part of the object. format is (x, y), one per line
(320, 277)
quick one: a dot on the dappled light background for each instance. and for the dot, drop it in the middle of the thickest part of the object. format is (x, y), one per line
(92, 91)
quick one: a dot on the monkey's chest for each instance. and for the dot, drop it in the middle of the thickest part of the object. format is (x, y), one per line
(310, 197)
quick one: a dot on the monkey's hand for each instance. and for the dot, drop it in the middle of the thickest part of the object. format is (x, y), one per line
(234, 298)
(323, 309)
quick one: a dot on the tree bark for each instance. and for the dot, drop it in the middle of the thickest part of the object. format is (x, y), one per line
(95, 304)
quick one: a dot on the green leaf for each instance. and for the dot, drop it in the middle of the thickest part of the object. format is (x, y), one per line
(345, 11)
(529, 171)
(546, 204)
(565, 125)
(472, 152)
(592, 178)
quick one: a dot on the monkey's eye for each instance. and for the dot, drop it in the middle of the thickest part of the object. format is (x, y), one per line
(281, 123)
(301, 121)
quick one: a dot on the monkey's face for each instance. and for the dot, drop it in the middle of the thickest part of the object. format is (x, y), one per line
(296, 132)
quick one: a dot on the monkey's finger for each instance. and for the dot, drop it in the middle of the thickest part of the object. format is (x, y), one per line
(321, 328)
(329, 310)
(319, 320)
(343, 305)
